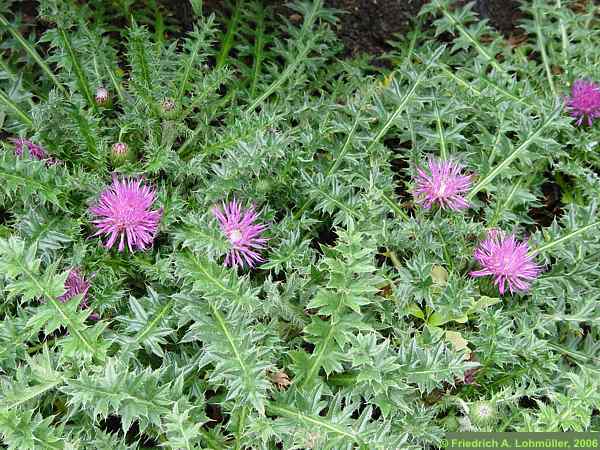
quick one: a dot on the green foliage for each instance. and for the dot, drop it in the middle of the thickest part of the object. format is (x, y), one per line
(362, 328)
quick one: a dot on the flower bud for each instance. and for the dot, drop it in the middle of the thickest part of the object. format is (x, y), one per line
(120, 152)
(168, 108)
(119, 149)
(33, 150)
(168, 105)
(102, 96)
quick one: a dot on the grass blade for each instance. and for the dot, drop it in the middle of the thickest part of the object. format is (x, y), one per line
(440, 129)
(32, 53)
(258, 48)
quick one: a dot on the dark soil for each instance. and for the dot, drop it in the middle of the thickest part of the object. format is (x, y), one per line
(113, 425)
(400, 168)
(366, 26)
(552, 205)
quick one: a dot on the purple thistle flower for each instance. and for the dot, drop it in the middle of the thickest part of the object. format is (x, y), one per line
(35, 151)
(584, 101)
(243, 234)
(123, 212)
(76, 284)
(507, 260)
(443, 184)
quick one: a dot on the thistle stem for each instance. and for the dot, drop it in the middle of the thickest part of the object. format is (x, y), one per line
(542, 47)
(514, 154)
(440, 129)
(570, 235)
(394, 258)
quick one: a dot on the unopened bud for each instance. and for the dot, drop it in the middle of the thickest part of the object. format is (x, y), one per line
(281, 379)
(168, 105)
(120, 149)
(102, 96)
(120, 152)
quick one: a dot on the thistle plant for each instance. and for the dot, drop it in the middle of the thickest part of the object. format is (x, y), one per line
(119, 151)
(77, 285)
(123, 214)
(302, 252)
(26, 147)
(102, 96)
(507, 260)
(584, 102)
(242, 233)
(442, 184)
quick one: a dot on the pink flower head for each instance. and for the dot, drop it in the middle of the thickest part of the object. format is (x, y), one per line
(507, 260)
(443, 184)
(123, 212)
(35, 151)
(584, 101)
(76, 284)
(243, 234)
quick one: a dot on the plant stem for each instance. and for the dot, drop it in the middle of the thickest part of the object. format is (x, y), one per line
(32, 52)
(510, 158)
(554, 243)
(564, 38)
(240, 427)
(394, 116)
(474, 42)
(232, 28)
(440, 129)
(259, 45)
(458, 79)
(542, 46)
(498, 210)
(82, 81)
(23, 117)
(304, 49)
(395, 260)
